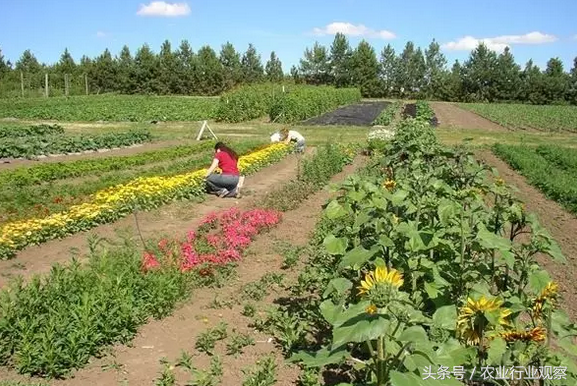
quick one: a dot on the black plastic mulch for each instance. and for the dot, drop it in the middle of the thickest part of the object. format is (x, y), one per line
(359, 114)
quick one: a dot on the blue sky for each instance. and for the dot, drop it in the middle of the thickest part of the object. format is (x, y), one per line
(533, 29)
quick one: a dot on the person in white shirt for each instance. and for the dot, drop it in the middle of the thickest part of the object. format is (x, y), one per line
(275, 137)
(292, 135)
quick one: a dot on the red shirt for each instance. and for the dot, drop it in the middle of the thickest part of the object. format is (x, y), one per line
(226, 163)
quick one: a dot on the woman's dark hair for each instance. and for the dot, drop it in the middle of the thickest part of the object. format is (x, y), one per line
(222, 147)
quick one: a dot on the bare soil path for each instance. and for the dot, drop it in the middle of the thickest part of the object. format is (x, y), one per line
(167, 338)
(453, 117)
(169, 219)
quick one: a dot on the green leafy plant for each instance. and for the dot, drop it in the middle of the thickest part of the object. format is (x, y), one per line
(237, 343)
(249, 310)
(263, 374)
(205, 341)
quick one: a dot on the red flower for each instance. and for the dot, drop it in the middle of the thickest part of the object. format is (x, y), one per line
(149, 262)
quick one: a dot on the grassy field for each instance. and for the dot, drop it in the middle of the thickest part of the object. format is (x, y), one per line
(520, 116)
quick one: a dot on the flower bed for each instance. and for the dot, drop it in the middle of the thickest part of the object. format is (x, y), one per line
(58, 322)
(109, 205)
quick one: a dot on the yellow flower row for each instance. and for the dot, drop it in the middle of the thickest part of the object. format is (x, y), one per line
(115, 202)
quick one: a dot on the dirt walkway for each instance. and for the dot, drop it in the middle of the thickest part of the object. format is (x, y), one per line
(453, 117)
(139, 364)
(560, 224)
(169, 219)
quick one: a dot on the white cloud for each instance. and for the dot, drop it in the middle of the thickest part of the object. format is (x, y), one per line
(353, 30)
(499, 43)
(164, 9)
(101, 34)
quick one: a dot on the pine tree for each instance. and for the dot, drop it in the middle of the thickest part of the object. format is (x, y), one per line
(435, 74)
(340, 61)
(388, 71)
(365, 70)
(230, 60)
(573, 83)
(508, 77)
(556, 81)
(479, 74)
(315, 66)
(295, 74)
(532, 84)
(169, 79)
(209, 73)
(147, 71)
(4, 68)
(274, 72)
(187, 63)
(103, 75)
(252, 68)
(126, 73)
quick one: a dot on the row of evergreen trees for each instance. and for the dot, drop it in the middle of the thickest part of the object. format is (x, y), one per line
(411, 73)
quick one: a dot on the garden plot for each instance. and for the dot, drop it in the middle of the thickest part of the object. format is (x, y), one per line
(359, 114)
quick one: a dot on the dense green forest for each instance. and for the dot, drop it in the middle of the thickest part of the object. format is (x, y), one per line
(413, 73)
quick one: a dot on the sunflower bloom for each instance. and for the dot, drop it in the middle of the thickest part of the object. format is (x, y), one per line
(471, 321)
(549, 294)
(372, 309)
(537, 334)
(381, 275)
(389, 184)
(499, 181)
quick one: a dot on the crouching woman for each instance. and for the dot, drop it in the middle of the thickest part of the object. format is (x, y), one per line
(225, 184)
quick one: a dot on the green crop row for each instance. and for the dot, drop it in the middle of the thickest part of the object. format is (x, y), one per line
(520, 116)
(386, 117)
(557, 184)
(413, 278)
(424, 111)
(17, 203)
(134, 108)
(295, 103)
(27, 131)
(565, 158)
(305, 102)
(60, 144)
(247, 102)
(46, 172)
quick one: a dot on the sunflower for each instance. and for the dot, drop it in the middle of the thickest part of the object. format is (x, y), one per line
(499, 181)
(537, 334)
(372, 309)
(381, 275)
(471, 322)
(549, 294)
(389, 184)
(381, 286)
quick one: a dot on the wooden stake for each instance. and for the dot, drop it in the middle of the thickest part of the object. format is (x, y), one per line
(86, 83)
(66, 84)
(46, 85)
(22, 83)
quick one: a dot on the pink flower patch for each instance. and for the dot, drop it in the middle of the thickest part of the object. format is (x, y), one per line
(231, 232)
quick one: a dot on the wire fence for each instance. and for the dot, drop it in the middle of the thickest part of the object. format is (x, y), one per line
(18, 84)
